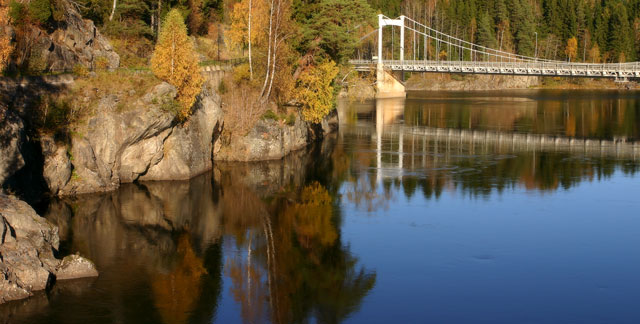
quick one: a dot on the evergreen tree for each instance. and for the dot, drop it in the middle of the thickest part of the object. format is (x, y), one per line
(619, 37)
(484, 34)
(334, 27)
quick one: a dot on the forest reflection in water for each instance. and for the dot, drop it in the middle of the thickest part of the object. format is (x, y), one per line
(265, 242)
(481, 143)
(165, 249)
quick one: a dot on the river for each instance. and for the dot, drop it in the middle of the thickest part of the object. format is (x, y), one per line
(446, 207)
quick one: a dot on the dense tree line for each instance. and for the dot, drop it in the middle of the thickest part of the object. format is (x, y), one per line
(603, 30)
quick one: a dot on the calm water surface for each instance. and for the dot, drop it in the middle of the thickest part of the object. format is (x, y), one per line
(496, 207)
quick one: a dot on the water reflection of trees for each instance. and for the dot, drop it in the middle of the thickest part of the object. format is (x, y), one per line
(473, 169)
(294, 267)
(579, 115)
(159, 246)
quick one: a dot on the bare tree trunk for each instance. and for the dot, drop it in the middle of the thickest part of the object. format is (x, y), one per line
(158, 13)
(249, 32)
(266, 77)
(113, 10)
(275, 47)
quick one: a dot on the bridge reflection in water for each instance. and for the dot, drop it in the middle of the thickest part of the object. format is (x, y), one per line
(413, 137)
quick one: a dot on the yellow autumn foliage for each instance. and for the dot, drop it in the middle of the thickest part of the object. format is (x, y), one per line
(176, 293)
(572, 48)
(5, 42)
(311, 217)
(175, 61)
(238, 33)
(315, 91)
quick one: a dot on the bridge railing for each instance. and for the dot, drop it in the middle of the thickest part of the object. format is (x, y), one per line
(633, 67)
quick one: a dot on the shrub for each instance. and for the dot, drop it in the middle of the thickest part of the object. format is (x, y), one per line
(172, 106)
(37, 62)
(291, 119)
(80, 70)
(40, 10)
(101, 63)
(17, 12)
(222, 87)
(270, 115)
(242, 108)
(241, 73)
(315, 91)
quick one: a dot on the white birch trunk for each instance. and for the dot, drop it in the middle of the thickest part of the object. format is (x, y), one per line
(266, 77)
(113, 10)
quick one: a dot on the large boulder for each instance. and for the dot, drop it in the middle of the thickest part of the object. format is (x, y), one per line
(27, 242)
(272, 140)
(11, 139)
(267, 140)
(27, 246)
(74, 41)
(57, 166)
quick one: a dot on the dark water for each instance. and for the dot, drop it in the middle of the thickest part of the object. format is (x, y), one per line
(498, 207)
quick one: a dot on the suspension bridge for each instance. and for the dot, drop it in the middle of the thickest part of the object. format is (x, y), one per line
(455, 55)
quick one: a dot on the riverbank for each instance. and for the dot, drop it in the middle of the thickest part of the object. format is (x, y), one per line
(363, 88)
(99, 140)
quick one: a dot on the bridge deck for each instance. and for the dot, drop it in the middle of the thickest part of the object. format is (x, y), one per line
(564, 69)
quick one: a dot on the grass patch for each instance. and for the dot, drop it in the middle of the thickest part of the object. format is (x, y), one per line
(60, 113)
(288, 117)
(134, 51)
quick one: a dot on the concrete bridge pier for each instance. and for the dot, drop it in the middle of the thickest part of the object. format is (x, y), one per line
(387, 86)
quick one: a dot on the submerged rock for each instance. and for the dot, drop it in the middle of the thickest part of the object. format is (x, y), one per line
(74, 266)
(27, 244)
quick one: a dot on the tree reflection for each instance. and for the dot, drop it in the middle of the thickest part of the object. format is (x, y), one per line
(294, 267)
(177, 292)
(380, 162)
(604, 115)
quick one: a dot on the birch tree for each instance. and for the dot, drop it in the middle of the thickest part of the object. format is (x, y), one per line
(113, 10)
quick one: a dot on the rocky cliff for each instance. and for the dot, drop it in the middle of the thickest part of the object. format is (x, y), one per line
(12, 137)
(67, 41)
(143, 142)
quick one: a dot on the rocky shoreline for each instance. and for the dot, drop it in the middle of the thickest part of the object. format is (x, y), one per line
(28, 244)
(142, 143)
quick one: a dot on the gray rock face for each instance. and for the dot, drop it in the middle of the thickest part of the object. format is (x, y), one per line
(11, 139)
(268, 140)
(27, 244)
(57, 166)
(273, 140)
(189, 147)
(26, 250)
(141, 143)
(75, 41)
